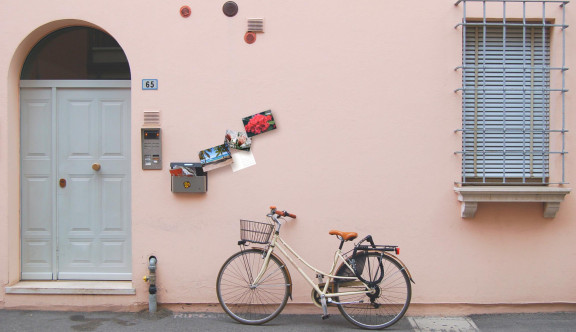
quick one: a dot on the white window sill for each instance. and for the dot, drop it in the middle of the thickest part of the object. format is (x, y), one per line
(470, 196)
(72, 287)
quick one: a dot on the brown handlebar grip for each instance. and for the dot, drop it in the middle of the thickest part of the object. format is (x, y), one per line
(282, 214)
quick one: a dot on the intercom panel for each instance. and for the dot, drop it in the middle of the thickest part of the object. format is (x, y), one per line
(151, 148)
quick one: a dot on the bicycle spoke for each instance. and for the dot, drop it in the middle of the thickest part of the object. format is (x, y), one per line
(389, 300)
(246, 302)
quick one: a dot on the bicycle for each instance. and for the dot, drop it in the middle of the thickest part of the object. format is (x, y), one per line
(371, 287)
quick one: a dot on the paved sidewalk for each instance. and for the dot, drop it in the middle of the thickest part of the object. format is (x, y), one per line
(165, 321)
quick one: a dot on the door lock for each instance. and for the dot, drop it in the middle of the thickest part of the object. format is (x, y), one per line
(62, 183)
(96, 166)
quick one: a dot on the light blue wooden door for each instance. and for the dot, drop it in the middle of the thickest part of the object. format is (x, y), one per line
(37, 178)
(79, 227)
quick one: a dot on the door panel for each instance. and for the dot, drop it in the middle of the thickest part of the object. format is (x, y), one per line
(37, 184)
(113, 129)
(93, 130)
(80, 230)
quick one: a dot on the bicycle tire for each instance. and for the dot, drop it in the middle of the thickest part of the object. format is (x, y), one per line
(252, 305)
(387, 305)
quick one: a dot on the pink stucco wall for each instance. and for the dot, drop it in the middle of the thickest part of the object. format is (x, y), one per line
(363, 95)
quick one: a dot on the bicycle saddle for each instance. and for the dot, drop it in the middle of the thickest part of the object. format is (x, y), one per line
(346, 236)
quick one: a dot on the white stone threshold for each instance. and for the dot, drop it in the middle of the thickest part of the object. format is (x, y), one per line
(470, 196)
(72, 287)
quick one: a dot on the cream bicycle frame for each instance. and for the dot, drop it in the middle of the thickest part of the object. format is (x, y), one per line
(278, 242)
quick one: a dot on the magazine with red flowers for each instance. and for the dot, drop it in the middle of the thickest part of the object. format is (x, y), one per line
(259, 123)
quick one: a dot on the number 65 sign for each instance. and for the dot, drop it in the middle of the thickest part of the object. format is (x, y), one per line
(149, 84)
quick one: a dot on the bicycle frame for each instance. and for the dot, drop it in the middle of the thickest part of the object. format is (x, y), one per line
(288, 252)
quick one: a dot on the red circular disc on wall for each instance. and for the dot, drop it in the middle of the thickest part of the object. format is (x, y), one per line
(185, 11)
(250, 37)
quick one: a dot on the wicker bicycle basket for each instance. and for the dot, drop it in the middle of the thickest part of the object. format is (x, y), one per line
(255, 232)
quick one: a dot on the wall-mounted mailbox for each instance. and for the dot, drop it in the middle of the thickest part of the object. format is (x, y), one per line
(151, 148)
(188, 178)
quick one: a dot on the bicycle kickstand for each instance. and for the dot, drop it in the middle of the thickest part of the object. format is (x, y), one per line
(324, 307)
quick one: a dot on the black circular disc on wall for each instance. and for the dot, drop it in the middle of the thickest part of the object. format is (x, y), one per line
(230, 8)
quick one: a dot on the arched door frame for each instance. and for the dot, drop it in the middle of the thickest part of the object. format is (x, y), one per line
(11, 135)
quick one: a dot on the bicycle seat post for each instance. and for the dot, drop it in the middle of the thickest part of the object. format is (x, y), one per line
(341, 242)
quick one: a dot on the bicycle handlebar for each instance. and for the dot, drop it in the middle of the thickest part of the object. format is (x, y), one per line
(285, 214)
(282, 213)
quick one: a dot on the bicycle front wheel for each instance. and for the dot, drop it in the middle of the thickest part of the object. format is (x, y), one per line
(246, 302)
(387, 301)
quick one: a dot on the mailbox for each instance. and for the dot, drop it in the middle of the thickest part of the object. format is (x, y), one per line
(188, 178)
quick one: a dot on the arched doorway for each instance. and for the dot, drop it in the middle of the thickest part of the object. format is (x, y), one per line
(75, 158)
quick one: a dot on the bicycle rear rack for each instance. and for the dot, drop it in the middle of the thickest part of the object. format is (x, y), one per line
(378, 247)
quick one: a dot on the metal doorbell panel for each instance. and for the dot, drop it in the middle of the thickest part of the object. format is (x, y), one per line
(151, 148)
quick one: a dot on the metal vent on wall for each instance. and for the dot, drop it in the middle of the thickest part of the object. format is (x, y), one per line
(152, 118)
(256, 24)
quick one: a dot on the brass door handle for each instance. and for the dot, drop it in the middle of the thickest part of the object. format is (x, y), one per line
(96, 166)
(62, 183)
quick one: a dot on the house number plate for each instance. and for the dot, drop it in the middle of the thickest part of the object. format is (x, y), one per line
(149, 84)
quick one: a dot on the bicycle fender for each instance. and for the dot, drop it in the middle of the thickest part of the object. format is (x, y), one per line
(401, 264)
(285, 270)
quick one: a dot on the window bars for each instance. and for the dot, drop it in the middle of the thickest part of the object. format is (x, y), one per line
(506, 86)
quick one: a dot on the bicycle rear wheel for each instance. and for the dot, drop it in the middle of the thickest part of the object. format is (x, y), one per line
(244, 302)
(389, 299)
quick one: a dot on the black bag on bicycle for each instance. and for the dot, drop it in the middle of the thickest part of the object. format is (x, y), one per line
(359, 263)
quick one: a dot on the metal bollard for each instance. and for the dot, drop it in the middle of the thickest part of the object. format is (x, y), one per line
(151, 278)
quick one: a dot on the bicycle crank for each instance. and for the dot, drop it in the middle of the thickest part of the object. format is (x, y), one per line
(316, 297)
(324, 307)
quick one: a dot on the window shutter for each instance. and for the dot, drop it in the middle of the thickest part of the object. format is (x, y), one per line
(506, 103)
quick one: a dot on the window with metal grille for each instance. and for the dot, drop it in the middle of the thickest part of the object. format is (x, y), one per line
(506, 86)
(506, 104)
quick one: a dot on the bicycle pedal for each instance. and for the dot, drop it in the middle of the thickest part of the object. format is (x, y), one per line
(325, 317)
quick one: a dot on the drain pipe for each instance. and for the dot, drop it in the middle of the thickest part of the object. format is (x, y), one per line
(152, 304)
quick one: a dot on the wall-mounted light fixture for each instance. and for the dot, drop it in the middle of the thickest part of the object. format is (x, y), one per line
(230, 8)
(185, 11)
(250, 37)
